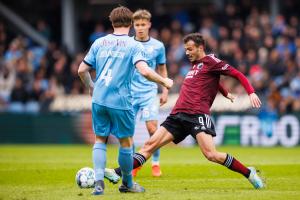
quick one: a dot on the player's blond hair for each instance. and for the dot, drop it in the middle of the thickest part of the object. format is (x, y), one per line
(141, 14)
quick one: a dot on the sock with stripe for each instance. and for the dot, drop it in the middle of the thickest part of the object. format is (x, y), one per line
(233, 164)
(138, 160)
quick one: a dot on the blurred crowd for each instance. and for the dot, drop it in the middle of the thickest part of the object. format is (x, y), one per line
(32, 76)
(265, 48)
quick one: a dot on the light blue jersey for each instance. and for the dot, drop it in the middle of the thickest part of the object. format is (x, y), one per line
(114, 57)
(155, 55)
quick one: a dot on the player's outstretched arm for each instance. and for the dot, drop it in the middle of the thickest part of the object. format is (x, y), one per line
(255, 101)
(85, 77)
(151, 75)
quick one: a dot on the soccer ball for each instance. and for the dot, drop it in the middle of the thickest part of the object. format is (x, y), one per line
(85, 177)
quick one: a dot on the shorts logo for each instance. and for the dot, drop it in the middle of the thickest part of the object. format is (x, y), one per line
(202, 128)
(146, 112)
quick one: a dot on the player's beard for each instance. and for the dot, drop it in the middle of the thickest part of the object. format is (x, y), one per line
(192, 58)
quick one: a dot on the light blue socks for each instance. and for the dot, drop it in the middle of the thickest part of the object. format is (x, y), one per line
(99, 160)
(155, 157)
(126, 164)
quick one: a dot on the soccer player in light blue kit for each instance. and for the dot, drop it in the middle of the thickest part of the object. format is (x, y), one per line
(144, 92)
(114, 57)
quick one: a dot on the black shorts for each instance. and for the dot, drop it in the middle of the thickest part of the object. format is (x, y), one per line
(181, 125)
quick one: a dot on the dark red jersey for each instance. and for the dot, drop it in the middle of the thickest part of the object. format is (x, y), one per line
(201, 85)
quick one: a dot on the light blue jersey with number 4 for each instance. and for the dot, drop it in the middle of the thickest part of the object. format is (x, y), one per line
(113, 57)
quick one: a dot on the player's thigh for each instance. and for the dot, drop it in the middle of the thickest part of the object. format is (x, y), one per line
(122, 123)
(101, 120)
(160, 138)
(206, 143)
(176, 127)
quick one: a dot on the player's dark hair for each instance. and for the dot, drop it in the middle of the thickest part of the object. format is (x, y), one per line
(197, 38)
(121, 17)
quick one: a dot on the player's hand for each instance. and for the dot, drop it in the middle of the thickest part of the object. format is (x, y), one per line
(255, 101)
(230, 97)
(163, 97)
(168, 83)
(91, 89)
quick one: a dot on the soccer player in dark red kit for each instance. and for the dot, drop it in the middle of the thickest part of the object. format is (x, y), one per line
(191, 114)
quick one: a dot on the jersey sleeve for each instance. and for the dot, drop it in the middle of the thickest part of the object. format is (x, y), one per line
(138, 53)
(220, 67)
(161, 58)
(90, 58)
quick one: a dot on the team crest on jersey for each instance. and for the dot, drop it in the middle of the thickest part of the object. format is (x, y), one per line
(199, 66)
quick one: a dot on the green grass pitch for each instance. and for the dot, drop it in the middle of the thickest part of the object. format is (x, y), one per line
(47, 172)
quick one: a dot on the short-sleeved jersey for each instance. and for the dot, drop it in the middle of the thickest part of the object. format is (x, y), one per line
(155, 55)
(114, 57)
(201, 85)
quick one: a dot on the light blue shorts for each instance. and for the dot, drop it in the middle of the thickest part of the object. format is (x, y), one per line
(106, 120)
(147, 106)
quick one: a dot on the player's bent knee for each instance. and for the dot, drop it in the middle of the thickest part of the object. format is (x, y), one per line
(152, 129)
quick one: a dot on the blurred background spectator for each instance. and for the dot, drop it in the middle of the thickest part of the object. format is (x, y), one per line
(257, 38)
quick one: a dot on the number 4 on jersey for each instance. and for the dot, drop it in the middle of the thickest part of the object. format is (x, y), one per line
(106, 73)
